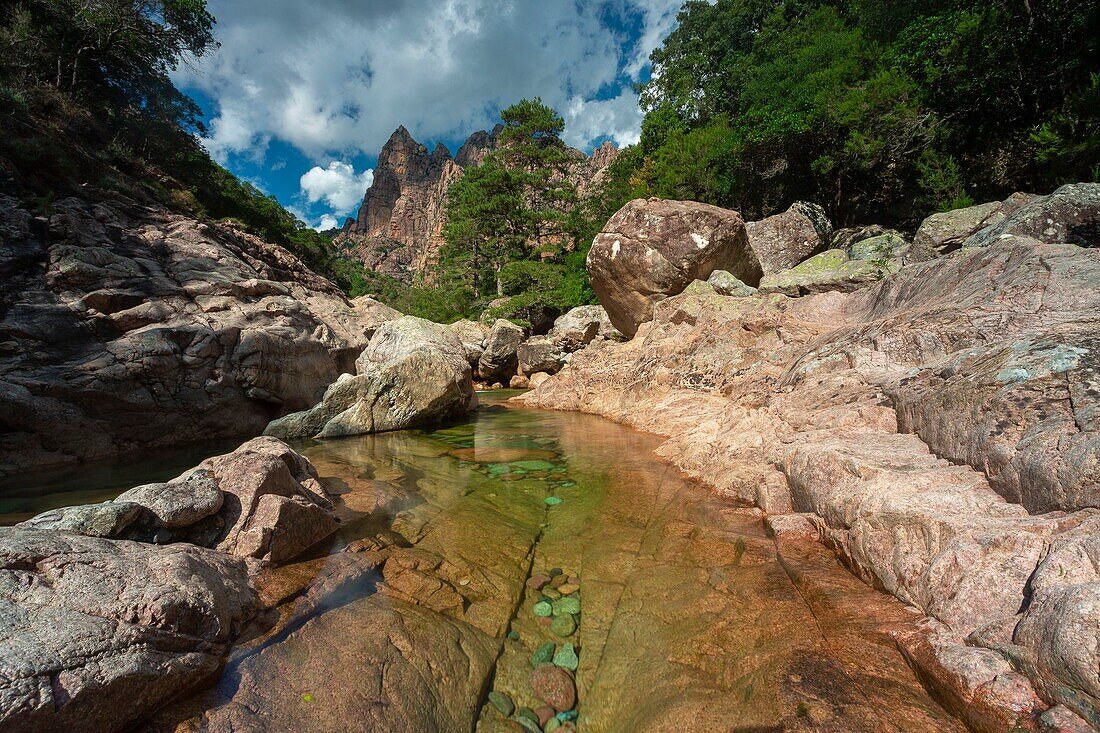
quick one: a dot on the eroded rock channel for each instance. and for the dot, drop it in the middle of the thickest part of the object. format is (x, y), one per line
(462, 595)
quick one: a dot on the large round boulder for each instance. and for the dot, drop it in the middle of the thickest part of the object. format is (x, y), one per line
(413, 373)
(499, 361)
(653, 249)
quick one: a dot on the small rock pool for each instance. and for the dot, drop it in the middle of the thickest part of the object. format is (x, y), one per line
(540, 571)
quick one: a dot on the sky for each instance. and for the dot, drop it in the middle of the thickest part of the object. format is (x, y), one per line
(300, 96)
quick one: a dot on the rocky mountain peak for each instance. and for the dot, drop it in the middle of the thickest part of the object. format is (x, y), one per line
(399, 228)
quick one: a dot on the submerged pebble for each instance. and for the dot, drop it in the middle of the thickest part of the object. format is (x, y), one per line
(552, 725)
(554, 686)
(545, 714)
(544, 654)
(567, 604)
(566, 658)
(563, 625)
(553, 500)
(552, 593)
(568, 588)
(543, 608)
(538, 581)
(502, 702)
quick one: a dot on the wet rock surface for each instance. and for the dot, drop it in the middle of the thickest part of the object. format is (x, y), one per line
(426, 621)
(126, 329)
(935, 429)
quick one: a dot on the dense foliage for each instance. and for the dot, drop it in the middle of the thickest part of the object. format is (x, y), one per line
(878, 110)
(86, 102)
(517, 231)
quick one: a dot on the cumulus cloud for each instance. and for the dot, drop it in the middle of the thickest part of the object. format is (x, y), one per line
(328, 221)
(335, 77)
(618, 118)
(338, 185)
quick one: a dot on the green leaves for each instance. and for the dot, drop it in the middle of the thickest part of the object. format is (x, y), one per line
(879, 110)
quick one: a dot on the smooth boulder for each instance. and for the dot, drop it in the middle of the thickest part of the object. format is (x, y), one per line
(98, 634)
(499, 360)
(652, 249)
(413, 373)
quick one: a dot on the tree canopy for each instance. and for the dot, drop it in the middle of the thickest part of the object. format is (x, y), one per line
(878, 110)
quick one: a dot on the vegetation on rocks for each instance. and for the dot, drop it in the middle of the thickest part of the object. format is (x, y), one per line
(88, 106)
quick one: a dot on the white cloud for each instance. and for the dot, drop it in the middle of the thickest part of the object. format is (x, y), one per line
(618, 118)
(335, 77)
(338, 185)
(328, 221)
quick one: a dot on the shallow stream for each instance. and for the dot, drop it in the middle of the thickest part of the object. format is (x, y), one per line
(479, 565)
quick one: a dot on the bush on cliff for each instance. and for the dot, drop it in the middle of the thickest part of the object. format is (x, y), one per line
(88, 106)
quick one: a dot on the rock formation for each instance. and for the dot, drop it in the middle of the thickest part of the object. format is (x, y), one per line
(784, 240)
(98, 634)
(124, 328)
(398, 230)
(399, 227)
(413, 373)
(261, 501)
(652, 249)
(937, 429)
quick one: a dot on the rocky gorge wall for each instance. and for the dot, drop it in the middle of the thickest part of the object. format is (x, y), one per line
(124, 328)
(938, 429)
(398, 230)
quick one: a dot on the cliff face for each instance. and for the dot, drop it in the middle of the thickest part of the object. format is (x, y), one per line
(399, 228)
(125, 328)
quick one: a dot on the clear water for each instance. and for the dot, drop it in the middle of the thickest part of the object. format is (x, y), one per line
(684, 615)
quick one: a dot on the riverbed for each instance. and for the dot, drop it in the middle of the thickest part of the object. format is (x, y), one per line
(522, 555)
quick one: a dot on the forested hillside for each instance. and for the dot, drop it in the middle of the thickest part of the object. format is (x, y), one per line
(87, 107)
(877, 110)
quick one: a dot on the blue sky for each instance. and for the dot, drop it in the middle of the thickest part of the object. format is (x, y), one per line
(300, 97)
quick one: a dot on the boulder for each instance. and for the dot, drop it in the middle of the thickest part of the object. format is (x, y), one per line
(473, 336)
(724, 283)
(500, 360)
(1070, 215)
(541, 354)
(182, 502)
(830, 270)
(652, 249)
(108, 519)
(98, 634)
(413, 372)
(372, 314)
(261, 501)
(946, 232)
(518, 381)
(536, 379)
(784, 240)
(579, 327)
(275, 507)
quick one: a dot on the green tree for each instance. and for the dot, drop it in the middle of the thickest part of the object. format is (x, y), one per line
(517, 205)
